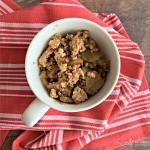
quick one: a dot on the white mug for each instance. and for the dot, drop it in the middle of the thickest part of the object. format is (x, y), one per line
(66, 26)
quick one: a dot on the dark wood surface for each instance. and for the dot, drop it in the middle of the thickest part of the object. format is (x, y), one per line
(135, 17)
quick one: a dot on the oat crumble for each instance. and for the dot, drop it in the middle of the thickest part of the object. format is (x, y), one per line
(79, 95)
(92, 74)
(53, 93)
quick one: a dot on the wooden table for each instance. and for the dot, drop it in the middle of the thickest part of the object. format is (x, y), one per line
(135, 17)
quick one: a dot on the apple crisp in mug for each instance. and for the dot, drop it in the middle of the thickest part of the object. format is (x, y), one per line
(73, 68)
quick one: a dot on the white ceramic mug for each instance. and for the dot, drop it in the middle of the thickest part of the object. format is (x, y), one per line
(43, 102)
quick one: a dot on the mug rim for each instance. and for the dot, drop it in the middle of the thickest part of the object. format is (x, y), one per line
(92, 105)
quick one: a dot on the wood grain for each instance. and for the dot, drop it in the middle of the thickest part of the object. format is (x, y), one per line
(7, 145)
(12, 135)
(135, 17)
(27, 3)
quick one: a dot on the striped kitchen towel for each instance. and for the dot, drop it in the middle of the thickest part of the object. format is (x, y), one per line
(111, 124)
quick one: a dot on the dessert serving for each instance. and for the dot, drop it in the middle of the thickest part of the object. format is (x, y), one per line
(72, 68)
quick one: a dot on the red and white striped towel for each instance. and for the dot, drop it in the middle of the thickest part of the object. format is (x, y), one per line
(111, 124)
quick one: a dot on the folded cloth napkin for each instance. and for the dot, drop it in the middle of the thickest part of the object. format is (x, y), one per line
(111, 124)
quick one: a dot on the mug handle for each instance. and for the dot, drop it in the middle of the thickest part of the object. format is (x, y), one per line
(34, 112)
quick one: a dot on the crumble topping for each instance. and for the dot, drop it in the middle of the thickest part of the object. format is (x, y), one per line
(53, 93)
(92, 74)
(79, 95)
(55, 42)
